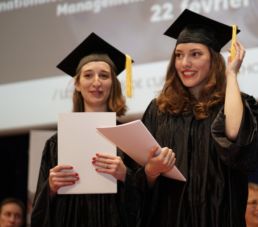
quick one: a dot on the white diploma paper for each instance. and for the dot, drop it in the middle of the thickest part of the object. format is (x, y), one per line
(136, 141)
(78, 142)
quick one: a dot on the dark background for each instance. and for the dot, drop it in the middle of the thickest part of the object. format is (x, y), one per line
(14, 166)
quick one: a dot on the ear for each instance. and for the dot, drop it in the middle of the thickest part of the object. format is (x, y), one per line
(77, 87)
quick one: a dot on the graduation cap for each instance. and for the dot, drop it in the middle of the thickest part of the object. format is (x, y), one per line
(93, 44)
(195, 28)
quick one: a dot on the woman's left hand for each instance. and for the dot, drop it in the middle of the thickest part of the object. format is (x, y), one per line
(110, 164)
(234, 65)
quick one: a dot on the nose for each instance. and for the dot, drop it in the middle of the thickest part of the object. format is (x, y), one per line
(12, 218)
(256, 210)
(186, 62)
(96, 80)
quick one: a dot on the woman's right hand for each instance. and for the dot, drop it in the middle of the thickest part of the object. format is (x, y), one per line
(60, 176)
(160, 163)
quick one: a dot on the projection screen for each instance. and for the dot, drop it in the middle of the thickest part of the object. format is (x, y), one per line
(37, 34)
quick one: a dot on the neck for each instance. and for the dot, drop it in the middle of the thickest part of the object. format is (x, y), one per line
(88, 108)
(195, 93)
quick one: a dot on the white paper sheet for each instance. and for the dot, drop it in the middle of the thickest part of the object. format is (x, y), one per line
(78, 142)
(136, 141)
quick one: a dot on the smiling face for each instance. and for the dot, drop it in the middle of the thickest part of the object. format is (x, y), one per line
(95, 82)
(192, 62)
(11, 215)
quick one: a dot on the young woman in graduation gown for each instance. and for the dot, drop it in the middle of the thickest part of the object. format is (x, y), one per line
(207, 125)
(94, 65)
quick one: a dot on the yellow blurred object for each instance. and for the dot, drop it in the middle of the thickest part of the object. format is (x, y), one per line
(233, 41)
(128, 68)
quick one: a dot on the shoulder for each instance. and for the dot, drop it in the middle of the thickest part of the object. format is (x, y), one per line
(250, 101)
(151, 108)
(151, 116)
(153, 102)
(248, 98)
(51, 144)
(53, 139)
(153, 105)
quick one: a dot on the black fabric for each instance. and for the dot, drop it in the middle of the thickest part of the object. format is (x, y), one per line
(14, 161)
(92, 44)
(216, 169)
(196, 28)
(95, 210)
(14, 167)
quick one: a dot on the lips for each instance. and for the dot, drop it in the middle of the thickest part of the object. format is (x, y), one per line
(188, 74)
(96, 93)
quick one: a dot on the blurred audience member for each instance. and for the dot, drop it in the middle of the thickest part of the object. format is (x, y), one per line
(12, 213)
(251, 214)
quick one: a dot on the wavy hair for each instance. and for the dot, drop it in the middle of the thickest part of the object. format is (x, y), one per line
(176, 99)
(116, 101)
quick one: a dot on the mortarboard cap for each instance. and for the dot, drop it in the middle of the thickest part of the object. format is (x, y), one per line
(193, 27)
(93, 44)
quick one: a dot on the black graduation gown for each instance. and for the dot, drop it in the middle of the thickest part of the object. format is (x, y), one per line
(216, 169)
(91, 210)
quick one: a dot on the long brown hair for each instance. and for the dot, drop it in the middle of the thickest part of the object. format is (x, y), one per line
(176, 99)
(116, 101)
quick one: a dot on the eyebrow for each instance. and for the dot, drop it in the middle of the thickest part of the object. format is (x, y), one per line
(252, 200)
(91, 70)
(191, 50)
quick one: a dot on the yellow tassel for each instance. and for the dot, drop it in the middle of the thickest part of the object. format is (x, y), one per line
(233, 41)
(128, 82)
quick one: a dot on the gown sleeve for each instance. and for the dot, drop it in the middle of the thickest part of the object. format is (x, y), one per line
(42, 202)
(130, 192)
(242, 153)
(138, 179)
(148, 194)
(130, 197)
